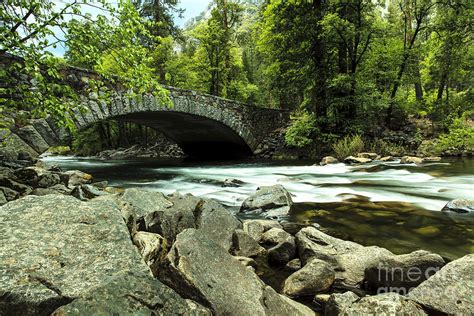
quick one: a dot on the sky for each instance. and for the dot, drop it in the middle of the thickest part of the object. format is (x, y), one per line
(192, 9)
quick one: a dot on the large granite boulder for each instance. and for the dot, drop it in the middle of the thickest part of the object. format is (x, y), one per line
(273, 201)
(449, 291)
(200, 269)
(57, 249)
(459, 206)
(131, 294)
(168, 216)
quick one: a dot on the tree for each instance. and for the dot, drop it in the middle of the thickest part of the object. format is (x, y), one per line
(30, 77)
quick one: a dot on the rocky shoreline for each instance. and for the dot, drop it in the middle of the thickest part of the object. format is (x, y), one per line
(75, 247)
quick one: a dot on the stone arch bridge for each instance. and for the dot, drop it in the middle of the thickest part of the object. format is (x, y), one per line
(202, 125)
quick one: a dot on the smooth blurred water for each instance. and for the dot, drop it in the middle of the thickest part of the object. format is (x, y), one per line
(417, 190)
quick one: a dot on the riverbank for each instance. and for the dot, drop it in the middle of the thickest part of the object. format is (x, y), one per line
(197, 251)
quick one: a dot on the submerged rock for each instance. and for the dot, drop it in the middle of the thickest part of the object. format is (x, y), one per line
(199, 269)
(56, 249)
(271, 200)
(449, 291)
(459, 206)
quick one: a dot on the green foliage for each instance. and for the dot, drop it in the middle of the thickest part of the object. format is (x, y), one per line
(302, 128)
(87, 142)
(348, 146)
(385, 148)
(460, 137)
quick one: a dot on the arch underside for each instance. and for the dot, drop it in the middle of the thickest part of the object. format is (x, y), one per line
(198, 136)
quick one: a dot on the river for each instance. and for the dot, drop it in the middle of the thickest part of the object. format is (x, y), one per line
(387, 204)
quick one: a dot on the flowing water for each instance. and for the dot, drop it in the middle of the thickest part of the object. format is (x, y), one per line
(387, 204)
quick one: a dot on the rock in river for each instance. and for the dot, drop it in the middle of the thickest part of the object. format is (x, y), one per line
(459, 206)
(272, 200)
(56, 249)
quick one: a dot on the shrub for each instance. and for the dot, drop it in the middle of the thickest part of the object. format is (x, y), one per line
(302, 127)
(459, 138)
(385, 148)
(348, 146)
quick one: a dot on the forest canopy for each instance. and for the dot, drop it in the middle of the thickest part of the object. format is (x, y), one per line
(343, 67)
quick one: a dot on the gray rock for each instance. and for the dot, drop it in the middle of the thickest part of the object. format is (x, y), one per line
(246, 246)
(152, 247)
(28, 175)
(77, 177)
(140, 203)
(338, 302)
(356, 160)
(82, 246)
(33, 138)
(44, 191)
(403, 272)
(217, 223)
(48, 179)
(15, 186)
(100, 185)
(202, 270)
(459, 206)
(131, 294)
(451, 290)
(293, 265)
(45, 131)
(272, 200)
(169, 222)
(3, 199)
(256, 227)
(315, 277)
(9, 194)
(281, 246)
(328, 160)
(383, 304)
(347, 258)
(13, 145)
